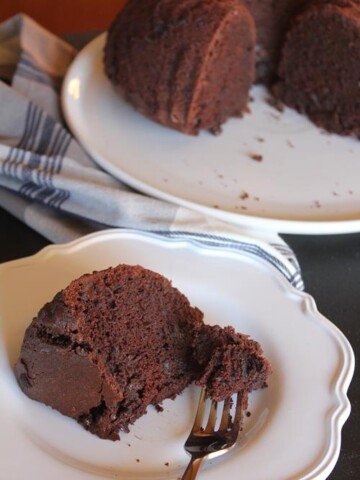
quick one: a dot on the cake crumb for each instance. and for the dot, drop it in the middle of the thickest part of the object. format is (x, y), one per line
(243, 208)
(166, 464)
(220, 175)
(260, 139)
(129, 445)
(244, 195)
(317, 204)
(335, 194)
(275, 103)
(138, 460)
(216, 206)
(216, 130)
(248, 414)
(159, 408)
(289, 142)
(255, 156)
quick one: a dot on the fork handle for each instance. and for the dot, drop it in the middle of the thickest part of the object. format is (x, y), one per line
(193, 468)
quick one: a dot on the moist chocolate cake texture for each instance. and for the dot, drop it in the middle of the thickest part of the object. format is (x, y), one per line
(319, 71)
(272, 18)
(189, 64)
(116, 341)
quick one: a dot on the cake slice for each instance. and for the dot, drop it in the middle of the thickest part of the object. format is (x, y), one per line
(116, 341)
(186, 64)
(319, 70)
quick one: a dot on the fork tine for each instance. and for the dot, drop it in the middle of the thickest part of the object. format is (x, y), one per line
(200, 411)
(225, 420)
(207, 444)
(239, 413)
(210, 426)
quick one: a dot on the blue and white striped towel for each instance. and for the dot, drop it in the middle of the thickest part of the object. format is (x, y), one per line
(49, 182)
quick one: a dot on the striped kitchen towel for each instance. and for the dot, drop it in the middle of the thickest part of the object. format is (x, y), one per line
(48, 181)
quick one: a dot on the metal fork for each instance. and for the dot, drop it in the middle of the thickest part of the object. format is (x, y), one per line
(207, 443)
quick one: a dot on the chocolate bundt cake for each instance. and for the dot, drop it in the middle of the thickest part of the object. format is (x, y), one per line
(319, 71)
(186, 64)
(272, 19)
(114, 342)
(189, 64)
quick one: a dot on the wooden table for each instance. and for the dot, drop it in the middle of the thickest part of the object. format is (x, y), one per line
(66, 15)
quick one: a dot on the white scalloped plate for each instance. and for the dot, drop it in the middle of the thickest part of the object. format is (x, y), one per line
(308, 181)
(295, 426)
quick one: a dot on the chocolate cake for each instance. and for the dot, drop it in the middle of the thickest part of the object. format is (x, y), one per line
(189, 64)
(319, 71)
(229, 362)
(186, 64)
(272, 18)
(116, 341)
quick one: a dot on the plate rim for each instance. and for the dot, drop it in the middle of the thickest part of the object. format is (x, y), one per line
(270, 224)
(341, 407)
